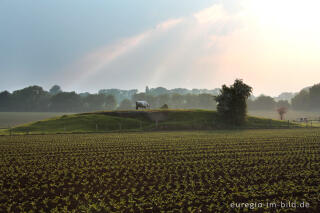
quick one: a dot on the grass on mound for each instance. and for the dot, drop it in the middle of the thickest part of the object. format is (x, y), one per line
(80, 123)
(133, 120)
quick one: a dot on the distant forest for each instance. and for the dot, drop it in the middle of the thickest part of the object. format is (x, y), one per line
(36, 99)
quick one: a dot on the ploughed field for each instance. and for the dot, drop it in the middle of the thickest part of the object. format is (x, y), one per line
(160, 171)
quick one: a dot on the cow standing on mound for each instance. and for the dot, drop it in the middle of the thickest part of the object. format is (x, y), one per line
(142, 104)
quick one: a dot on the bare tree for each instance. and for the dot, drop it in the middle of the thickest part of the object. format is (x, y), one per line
(282, 111)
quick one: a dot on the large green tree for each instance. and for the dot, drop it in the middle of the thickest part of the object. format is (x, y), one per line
(232, 102)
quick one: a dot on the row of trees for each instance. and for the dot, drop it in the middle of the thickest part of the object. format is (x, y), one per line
(121, 95)
(306, 100)
(266, 103)
(181, 91)
(36, 99)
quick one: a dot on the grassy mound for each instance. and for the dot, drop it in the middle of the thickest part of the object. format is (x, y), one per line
(140, 120)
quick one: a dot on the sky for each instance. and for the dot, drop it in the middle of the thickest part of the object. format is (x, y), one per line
(273, 45)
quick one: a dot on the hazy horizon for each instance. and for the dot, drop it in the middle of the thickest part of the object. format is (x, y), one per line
(142, 90)
(86, 46)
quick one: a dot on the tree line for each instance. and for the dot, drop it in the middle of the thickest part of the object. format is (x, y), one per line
(307, 99)
(36, 99)
(266, 103)
(121, 95)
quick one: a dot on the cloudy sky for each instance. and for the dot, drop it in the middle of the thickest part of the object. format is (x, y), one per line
(274, 45)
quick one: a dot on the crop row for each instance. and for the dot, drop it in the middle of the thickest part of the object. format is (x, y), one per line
(176, 171)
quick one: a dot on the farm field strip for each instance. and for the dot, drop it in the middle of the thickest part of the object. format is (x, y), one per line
(159, 171)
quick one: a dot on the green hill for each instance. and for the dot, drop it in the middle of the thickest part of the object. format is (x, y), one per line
(106, 121)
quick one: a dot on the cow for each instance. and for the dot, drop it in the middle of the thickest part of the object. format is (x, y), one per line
(142, 104)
